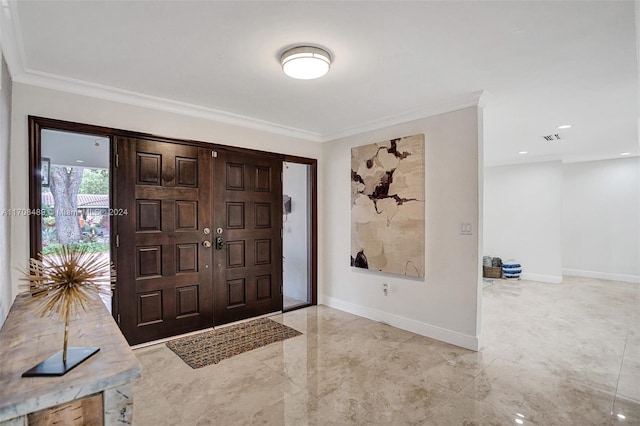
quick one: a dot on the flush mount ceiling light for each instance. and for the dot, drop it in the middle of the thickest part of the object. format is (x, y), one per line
(565, 126)
(305, 62)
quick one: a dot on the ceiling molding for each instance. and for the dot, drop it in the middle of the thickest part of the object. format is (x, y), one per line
(455, 104)
(84, 88)
(586, 158)
(521, 161)
(11, 39)
(557, 158)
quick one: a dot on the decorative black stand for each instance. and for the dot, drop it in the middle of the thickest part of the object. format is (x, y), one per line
(53, 366)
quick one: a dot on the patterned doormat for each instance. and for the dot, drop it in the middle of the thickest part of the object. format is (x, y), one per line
(211, 347)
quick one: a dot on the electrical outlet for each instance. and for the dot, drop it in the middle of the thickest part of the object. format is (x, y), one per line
(385, 289)
(465, 228)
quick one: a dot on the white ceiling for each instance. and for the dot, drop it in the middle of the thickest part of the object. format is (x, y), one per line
(543, 63)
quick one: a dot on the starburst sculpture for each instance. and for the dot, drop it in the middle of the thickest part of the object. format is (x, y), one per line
(66, 281)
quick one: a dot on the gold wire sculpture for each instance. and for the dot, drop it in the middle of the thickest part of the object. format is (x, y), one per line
(65, 281)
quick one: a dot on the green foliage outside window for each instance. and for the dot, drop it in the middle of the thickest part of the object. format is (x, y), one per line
(91, 247)
(94, 181)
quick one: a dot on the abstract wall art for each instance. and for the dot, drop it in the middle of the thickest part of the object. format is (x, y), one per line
(387, 206)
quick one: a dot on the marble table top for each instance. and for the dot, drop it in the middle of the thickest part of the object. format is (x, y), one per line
(26, 339)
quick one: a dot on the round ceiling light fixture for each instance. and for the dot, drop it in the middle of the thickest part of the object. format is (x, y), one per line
(305, 62)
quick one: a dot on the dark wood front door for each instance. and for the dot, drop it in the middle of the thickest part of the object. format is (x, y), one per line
(164, 205)
(248, 257)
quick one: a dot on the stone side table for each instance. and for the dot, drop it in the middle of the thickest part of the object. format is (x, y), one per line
(27, 339)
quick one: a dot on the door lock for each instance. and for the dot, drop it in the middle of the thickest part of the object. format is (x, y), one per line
(206, 243)
(219, 243)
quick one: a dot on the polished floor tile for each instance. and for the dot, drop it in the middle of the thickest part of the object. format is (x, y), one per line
(565, 354)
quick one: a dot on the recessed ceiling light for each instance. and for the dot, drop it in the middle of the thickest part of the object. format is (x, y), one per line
(625, 153)
(621, 416)
(79, 161)
(523, 152)
(565, 126)
(305, 62)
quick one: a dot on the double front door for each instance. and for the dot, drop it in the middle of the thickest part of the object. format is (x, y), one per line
(198, 238)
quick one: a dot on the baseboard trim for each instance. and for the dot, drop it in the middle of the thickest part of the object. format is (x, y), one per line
(552, 279)
(449, 336)
(602, 275)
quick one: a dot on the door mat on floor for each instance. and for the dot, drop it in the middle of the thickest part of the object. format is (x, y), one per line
(211, 347)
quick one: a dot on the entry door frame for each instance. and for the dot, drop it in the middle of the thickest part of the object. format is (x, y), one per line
(36, 124)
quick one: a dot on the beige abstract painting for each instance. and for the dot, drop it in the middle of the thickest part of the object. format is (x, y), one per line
(387, 206)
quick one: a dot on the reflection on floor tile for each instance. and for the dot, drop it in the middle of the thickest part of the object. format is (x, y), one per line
(554, 355)
(625, 412)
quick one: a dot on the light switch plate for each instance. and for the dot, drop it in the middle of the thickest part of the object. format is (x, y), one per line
(465, 228)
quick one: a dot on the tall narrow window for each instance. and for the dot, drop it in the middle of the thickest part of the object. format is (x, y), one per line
(75, 193)
(297, 238)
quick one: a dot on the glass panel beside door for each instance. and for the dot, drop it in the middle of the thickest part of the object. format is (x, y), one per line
(296, 235)
(75, 193)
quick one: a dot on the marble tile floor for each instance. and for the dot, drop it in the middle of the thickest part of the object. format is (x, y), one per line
(291, 302)
(565, 354)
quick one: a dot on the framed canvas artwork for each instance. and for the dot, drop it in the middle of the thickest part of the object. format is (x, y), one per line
(387, 206)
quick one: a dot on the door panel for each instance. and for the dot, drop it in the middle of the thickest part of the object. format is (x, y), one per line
(164, 271)
(247, 207)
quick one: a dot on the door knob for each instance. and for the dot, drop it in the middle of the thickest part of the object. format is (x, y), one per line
(206, 243)
(219, 243)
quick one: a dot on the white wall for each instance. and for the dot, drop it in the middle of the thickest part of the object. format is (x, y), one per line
(578, 219)
(295, 245)
(522, 217)
(6, 297)
(445, 305)
(30, 100)
(601, 219)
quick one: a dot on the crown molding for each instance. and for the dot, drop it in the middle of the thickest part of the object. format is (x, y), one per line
(587, 158)
(11, 38)
(462, 102)
(558, 159)
(523, 161)
(84, 88)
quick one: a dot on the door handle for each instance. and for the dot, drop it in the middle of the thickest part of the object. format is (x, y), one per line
(219, 243)
(206, 243)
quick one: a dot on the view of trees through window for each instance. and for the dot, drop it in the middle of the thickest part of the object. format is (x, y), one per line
(75, 209)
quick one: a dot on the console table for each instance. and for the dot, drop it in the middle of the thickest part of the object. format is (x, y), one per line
(104, 380)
